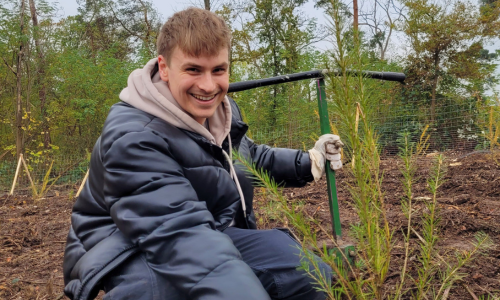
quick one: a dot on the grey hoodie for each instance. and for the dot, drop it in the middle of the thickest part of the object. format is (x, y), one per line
(147, 92)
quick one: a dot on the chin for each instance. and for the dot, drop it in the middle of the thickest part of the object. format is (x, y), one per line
(206, 116)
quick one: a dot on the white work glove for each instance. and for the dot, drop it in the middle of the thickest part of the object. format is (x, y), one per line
(328, 147)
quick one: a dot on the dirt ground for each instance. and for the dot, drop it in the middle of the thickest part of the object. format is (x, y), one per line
(33, 233)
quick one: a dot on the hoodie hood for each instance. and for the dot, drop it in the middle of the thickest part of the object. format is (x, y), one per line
(146, 91)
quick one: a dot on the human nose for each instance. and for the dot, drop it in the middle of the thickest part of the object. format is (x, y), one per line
(207, 83)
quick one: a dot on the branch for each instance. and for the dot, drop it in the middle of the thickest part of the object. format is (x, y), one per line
(148, 25)
(312, 41)
(148, 34)
(1, 156)
(383, 49)
(372, 26)
(7, 64)
(400, 10)
(254, 58)
(246, 43)
(123, 25)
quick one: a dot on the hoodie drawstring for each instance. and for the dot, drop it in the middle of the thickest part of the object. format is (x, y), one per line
(232, 172)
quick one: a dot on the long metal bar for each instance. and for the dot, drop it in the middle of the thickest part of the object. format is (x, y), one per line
(250, 84)
(330, 174)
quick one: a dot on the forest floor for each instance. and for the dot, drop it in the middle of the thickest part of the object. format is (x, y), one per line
(33, 233)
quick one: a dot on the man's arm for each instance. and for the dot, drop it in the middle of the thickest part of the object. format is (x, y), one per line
(291, 167)
(155, 206)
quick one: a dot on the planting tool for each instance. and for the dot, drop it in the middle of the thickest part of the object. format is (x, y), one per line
(343, 251)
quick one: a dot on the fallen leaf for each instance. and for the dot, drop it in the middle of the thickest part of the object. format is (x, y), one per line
(9, 259)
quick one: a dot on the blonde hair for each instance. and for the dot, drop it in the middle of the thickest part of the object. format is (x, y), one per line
(197, 32)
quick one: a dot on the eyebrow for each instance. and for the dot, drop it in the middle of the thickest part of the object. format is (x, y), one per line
(191, 65)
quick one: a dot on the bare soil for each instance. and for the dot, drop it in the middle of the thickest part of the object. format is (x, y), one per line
(33, 233)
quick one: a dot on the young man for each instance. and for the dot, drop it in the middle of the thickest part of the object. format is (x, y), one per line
(165, 214)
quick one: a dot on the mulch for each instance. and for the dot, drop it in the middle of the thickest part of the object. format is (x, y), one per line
(33, 232)
(468, 201)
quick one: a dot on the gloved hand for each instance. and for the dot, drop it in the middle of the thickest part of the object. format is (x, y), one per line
(328, 147)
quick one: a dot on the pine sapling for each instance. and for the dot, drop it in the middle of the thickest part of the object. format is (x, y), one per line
(409, 153)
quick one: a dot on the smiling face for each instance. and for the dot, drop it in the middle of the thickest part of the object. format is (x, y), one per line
(198, 84)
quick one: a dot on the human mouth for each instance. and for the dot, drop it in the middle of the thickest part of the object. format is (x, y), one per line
(204, 98)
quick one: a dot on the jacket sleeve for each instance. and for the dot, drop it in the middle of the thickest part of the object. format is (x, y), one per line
(155, 206)
(286, 166)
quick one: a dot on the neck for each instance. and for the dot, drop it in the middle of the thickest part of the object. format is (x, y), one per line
(200, 120)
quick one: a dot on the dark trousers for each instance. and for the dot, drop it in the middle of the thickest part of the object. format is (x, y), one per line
(273, 255)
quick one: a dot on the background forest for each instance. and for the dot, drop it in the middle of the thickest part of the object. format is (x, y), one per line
(59, 76)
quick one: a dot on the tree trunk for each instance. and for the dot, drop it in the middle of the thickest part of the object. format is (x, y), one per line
(355, 15)
(434, 86)
(382, 51)
(355, 23)
(207, 4)
(147, 38)
(274, 120)
(42, 92)
(19, 104)
(433, 99)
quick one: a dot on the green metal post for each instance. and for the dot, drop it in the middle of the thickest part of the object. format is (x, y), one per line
(330, 174)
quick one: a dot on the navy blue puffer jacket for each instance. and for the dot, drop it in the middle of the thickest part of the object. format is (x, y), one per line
(167, 192)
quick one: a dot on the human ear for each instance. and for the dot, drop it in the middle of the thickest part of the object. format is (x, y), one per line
(163, 68)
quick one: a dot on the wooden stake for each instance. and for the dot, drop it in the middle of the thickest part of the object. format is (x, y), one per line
(83, 183)
(17, 173)
(29, 176)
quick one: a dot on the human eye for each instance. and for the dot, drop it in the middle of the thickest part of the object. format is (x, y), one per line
(219, 70)
(192, 70)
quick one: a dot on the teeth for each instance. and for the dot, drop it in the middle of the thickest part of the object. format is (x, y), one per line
(203, 98)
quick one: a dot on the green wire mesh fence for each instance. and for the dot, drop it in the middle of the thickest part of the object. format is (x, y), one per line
(458, 125)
